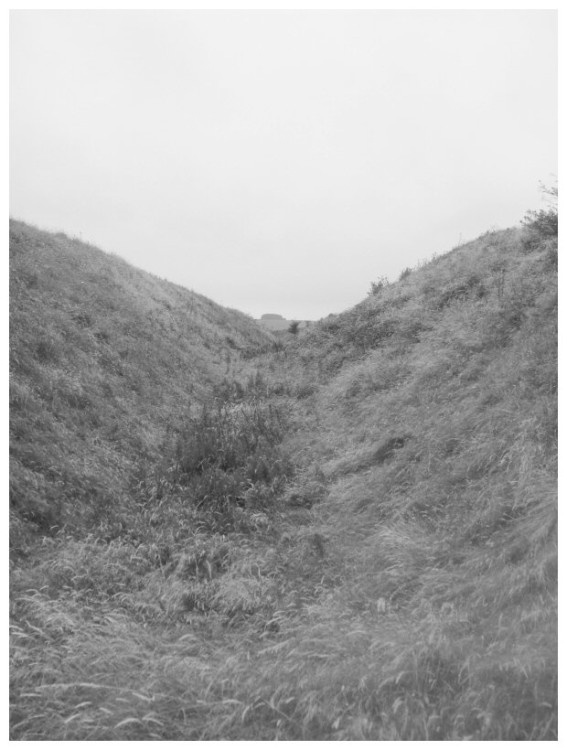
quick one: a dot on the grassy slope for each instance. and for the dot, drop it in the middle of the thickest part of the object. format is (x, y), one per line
(404, 585)
(105, 360)
(441, 450)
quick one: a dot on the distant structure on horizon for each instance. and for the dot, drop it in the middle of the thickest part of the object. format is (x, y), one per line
(273, 322)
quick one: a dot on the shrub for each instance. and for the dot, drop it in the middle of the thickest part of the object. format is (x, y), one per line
(228, 449)
(543, 224)
(377, 286)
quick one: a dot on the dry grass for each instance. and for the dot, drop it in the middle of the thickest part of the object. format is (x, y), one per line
(402, 586)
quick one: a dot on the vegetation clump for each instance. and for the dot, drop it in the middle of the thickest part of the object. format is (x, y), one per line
(230, 449)
(543, 225)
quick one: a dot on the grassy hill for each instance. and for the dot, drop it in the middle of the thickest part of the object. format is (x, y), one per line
(352, 538)
(105, 361)
(437, 425)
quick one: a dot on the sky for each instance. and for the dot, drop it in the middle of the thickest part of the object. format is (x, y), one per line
(280, 161)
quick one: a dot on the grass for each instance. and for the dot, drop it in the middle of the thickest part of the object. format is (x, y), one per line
(106, 361)
(349, 537)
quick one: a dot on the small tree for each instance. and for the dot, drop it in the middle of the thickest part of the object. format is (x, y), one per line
(293, 327)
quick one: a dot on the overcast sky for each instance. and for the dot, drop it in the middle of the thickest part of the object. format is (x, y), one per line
(280, 161)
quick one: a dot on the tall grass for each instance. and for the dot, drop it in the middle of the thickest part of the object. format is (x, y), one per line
(353, 538)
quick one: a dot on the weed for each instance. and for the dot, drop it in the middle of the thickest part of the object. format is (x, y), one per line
(227, 450)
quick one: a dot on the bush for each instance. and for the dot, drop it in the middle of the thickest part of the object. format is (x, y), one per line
(543, 224)
(228, 450)
(377, 286)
